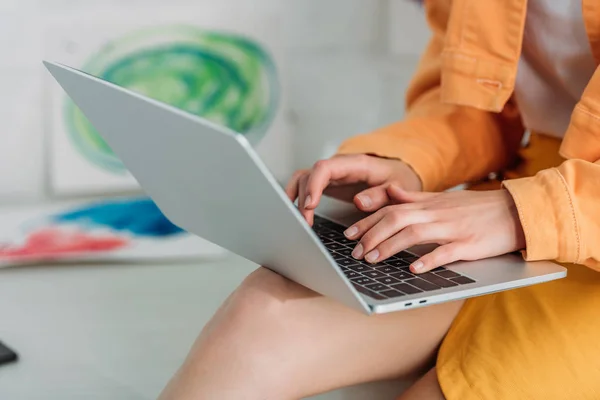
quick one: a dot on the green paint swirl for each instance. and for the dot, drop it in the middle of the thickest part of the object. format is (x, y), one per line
(226, 78)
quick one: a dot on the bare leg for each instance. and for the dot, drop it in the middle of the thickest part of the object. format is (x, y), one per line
(426, 388)
(274, 339)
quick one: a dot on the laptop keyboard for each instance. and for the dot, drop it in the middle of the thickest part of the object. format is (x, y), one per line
(385, 280)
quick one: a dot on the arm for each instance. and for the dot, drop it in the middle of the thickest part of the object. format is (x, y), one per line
(558, 209)
(445, 144)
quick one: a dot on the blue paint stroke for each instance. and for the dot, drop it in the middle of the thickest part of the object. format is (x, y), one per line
(139, 217)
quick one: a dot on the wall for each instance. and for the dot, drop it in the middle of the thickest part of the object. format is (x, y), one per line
(348, 65)
(350, 62)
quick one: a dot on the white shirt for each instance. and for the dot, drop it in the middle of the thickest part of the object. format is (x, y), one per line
(555, 66)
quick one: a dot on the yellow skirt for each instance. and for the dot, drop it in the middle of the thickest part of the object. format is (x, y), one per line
(538, 342)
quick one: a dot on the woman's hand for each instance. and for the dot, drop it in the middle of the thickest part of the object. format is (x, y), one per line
(359, 178)
(468, 225)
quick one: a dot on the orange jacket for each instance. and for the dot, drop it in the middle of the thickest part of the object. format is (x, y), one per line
(462, 124)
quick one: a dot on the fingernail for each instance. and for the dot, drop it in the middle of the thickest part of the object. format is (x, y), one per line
(372, 256)
(418, 265)
(308, 201)
(365, 201)
(358, 251)
(351, 232)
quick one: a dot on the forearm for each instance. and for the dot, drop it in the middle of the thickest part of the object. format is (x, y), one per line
(446, 144)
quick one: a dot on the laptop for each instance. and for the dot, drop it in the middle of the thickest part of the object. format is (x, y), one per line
(209, 181)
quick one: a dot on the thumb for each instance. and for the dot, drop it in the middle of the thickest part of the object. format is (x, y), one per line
(440, 256)
(372, 199)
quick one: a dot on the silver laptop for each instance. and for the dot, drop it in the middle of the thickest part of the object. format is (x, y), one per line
(208, 180)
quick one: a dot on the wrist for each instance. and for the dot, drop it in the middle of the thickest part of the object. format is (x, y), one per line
(515, 221)
(413, 180)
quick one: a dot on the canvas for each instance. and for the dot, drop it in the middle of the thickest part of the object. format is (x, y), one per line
(219, 60)
(118, 230)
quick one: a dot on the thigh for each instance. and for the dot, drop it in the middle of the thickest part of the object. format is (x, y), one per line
(278, 338)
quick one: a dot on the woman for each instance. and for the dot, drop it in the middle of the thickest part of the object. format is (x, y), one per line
(468, 110)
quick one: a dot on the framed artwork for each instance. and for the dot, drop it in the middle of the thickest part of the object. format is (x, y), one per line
(213, 59)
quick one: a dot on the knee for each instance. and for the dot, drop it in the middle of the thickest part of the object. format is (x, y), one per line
(239, 347)
(249, 321)
(264, 295)
(251, 329)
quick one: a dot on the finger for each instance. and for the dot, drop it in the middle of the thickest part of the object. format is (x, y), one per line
(358, 229)
(442, 255)
(307, 214)
(389, 226)
(399, 195)
(372, 199)
(292, 187)
(351, 169)
(424, 233)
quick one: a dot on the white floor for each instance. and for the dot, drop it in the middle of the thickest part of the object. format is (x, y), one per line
(114, 331)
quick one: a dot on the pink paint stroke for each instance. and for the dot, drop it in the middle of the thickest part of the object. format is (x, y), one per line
(52, 243)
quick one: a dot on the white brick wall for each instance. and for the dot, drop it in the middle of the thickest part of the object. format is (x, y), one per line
(348, 64)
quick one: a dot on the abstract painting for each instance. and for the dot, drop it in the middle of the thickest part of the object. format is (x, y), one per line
(213, 66)
(223, 77)
(126, 229)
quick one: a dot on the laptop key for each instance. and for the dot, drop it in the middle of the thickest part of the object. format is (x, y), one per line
(351, 274)
(335, 246)
(330, 235)
(359, 268)
(346, 262)
(446, 273)
(462, 280)
(361, 280)
(371, 273)
(322, 223)
(402, 275)
(346, 242)
(368, 292)
(410, 259)
(437, 280)
(376, 287)
(422, 284)
(390, 294)
(345, 252)
(388, 280)
(397, 263)
(388, 269)
(404, 254)
(406, 288)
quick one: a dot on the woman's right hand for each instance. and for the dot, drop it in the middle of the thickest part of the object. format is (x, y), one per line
(359, 178)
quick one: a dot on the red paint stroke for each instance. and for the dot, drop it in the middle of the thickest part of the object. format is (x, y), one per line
(51, 243)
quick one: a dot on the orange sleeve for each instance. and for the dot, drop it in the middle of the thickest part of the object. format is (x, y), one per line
(559, 209)
(445, 144)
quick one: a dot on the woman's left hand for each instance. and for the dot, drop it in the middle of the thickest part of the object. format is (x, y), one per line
(468, 225)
